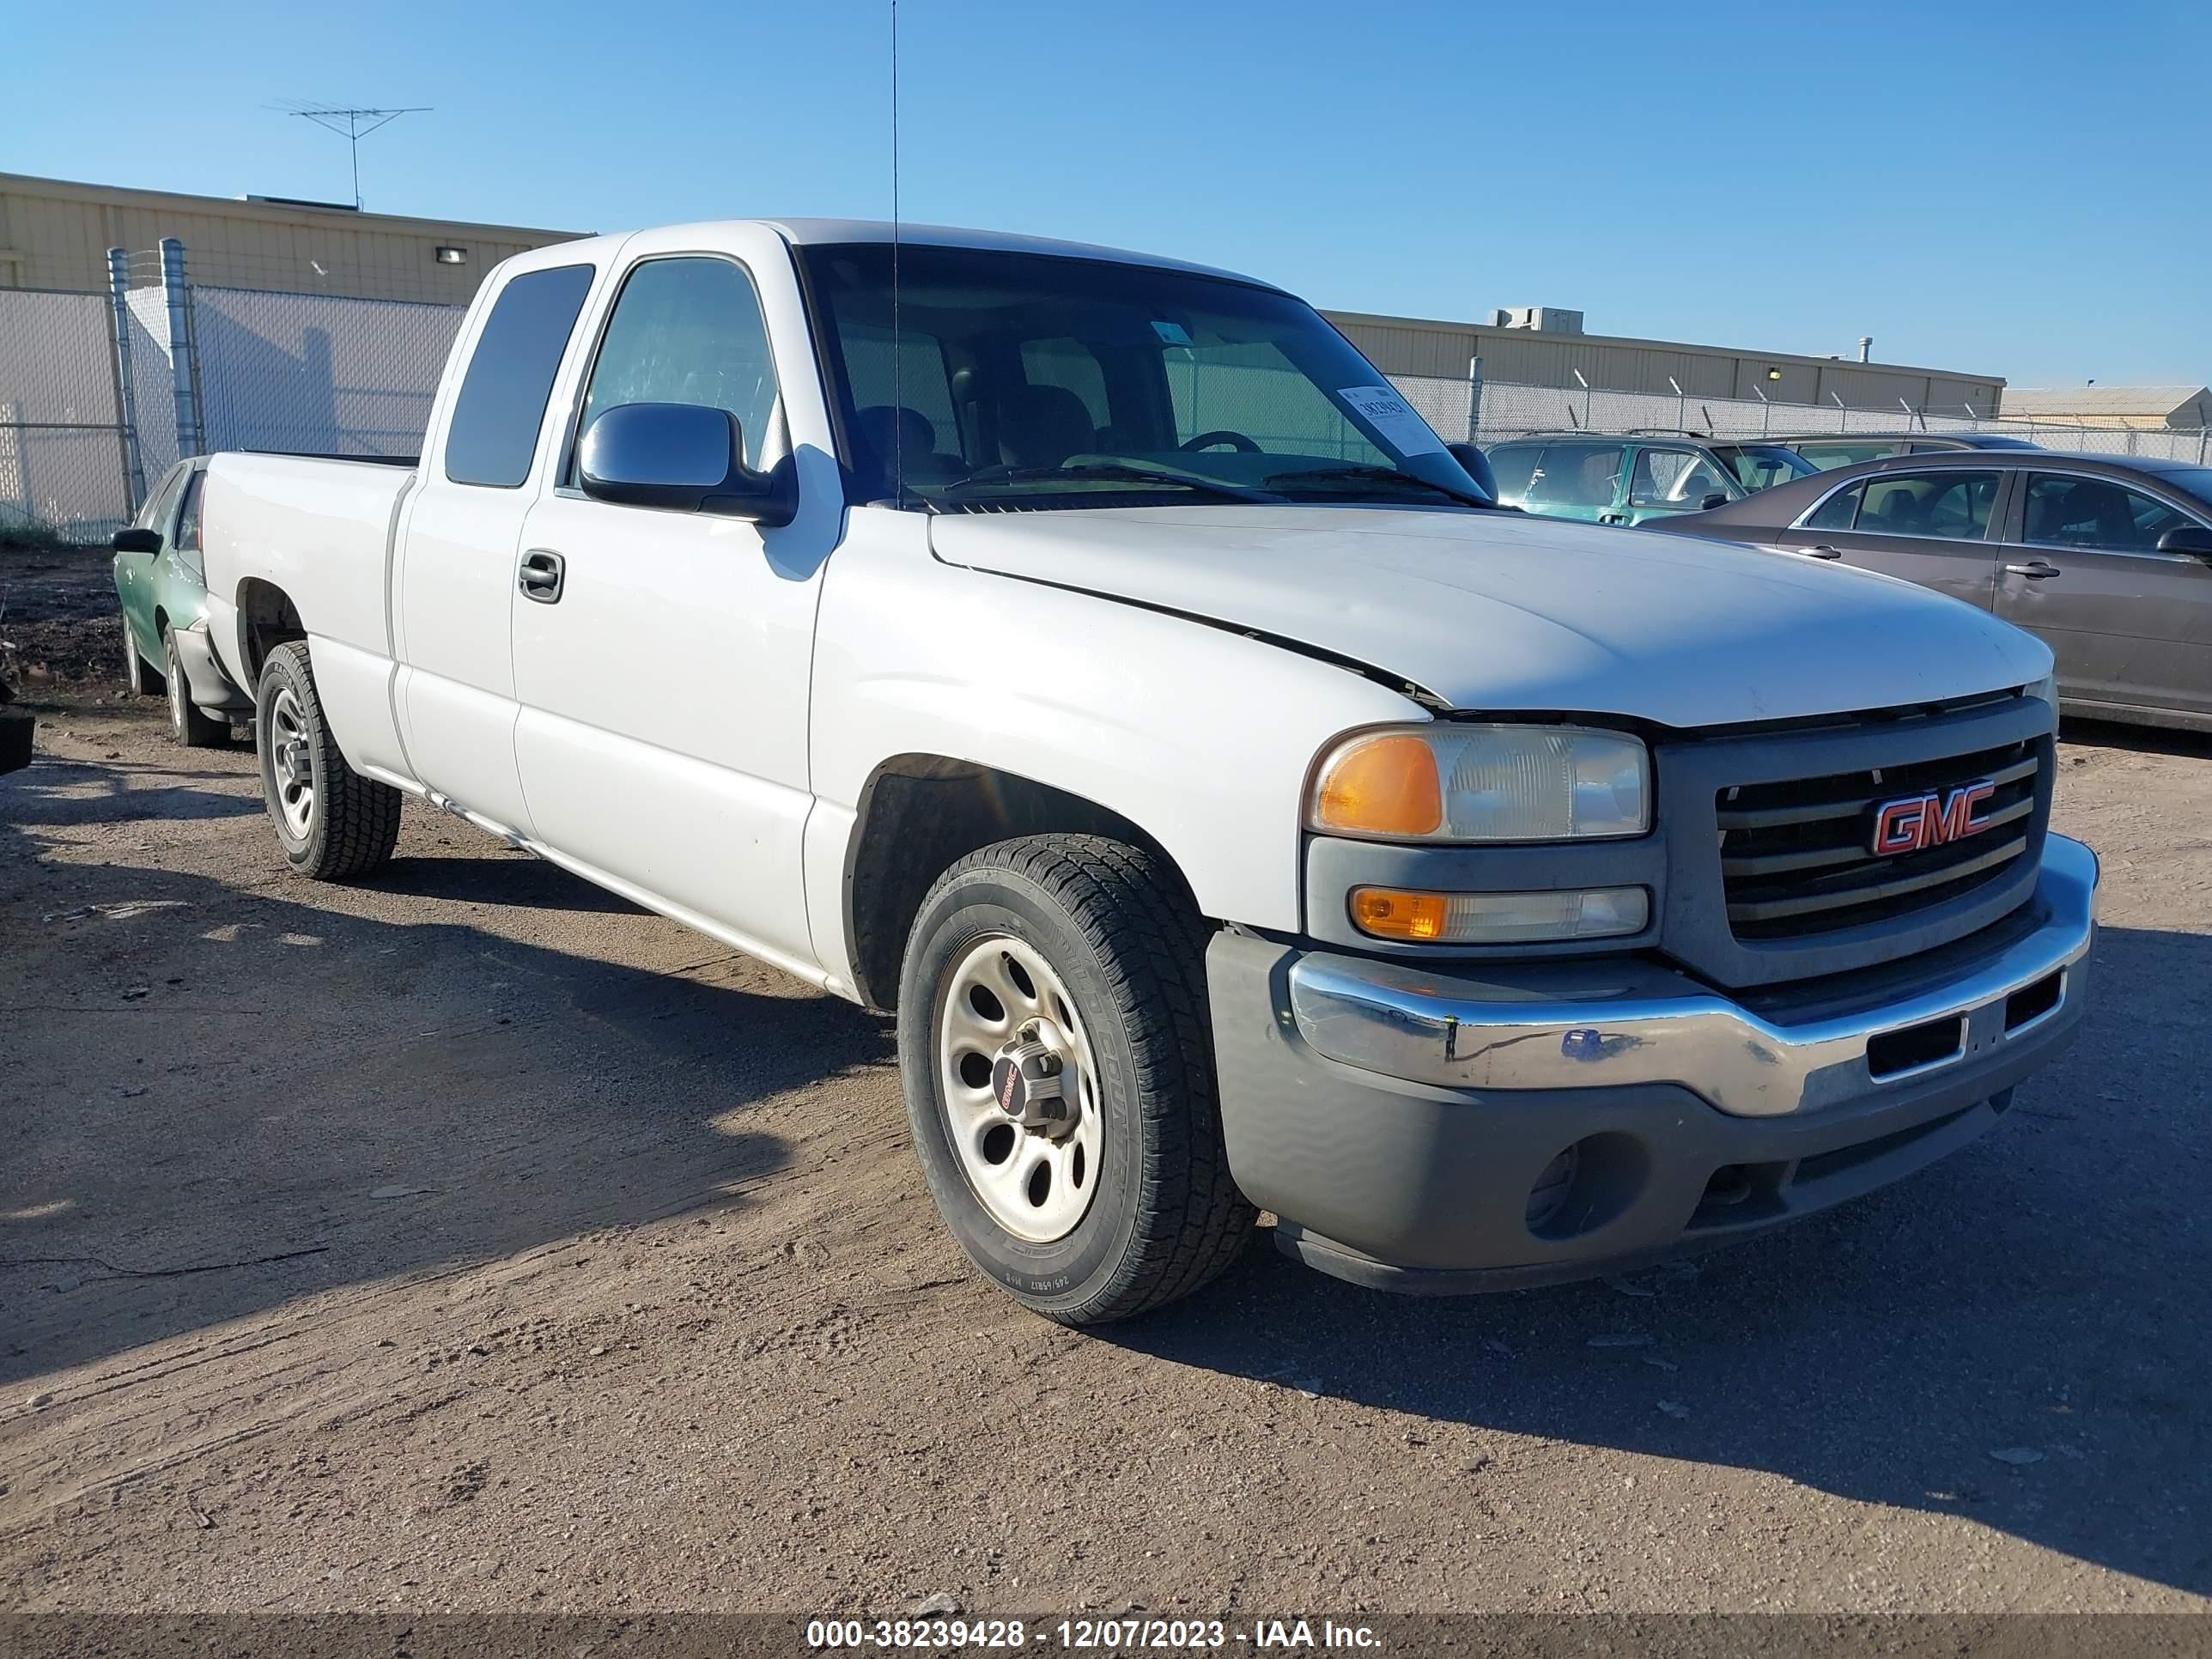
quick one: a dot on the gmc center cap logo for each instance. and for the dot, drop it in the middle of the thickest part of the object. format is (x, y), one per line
(1913, 822)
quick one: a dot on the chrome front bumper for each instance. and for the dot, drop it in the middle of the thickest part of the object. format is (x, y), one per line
(1595, 1025)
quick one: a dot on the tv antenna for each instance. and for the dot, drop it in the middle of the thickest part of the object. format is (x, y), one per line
(353, 125)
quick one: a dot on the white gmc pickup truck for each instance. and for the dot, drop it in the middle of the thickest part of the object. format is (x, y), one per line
(1090, 659)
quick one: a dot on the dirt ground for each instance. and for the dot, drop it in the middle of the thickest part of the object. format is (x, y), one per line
(468, 1239)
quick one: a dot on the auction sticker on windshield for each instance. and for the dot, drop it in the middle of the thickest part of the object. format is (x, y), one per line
(1391, 416)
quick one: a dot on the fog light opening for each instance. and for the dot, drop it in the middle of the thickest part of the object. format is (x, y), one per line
(1591, 1183)
(1549, 1195)
(2032, 1002)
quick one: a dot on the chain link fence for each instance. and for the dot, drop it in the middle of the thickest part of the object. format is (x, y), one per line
(64, 472)
(1489, 411)
(316, 374)
(100, 393)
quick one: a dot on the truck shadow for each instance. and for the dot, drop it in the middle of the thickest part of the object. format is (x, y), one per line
(2015, 1336)
(2137, 739)
(217, 1099)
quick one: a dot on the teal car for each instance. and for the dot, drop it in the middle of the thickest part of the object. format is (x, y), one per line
(1611, 480)
(163, 593)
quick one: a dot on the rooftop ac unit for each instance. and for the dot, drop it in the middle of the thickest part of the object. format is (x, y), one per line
(1541, 319)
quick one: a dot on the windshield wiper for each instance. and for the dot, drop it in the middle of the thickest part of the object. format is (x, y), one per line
(1111, 472)
(1375, 474)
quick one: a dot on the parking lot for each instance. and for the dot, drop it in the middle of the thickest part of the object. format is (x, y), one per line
(471, 1239)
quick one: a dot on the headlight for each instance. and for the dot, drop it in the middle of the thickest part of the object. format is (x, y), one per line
(1454, 782)
(2047, 689)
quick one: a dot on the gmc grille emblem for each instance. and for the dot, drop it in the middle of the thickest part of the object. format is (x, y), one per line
(1914, 823)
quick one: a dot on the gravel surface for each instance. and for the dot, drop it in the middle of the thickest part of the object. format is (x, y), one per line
(468, 1239)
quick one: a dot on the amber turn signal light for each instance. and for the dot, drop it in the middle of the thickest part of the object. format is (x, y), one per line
(1385, 785)
(1388, 912)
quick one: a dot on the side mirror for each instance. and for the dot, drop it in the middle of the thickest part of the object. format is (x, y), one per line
(1476, 464)
(1717, 498)
(2193, 539)
(681, 456)
(132, 538)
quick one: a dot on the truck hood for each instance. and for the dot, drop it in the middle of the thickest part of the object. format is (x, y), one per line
(1504, 611)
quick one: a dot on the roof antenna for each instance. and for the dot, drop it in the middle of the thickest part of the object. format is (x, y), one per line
(358, 124)
(898, 367)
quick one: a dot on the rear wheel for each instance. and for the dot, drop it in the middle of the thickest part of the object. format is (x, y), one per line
(191, 727)
(331, 821)
(1059, 1075)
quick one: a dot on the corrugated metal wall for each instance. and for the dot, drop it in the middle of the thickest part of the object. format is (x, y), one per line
(56, 235)
(1408, 346)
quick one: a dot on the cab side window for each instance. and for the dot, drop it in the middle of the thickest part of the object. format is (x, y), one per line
(493, 432)
(186, 544)
(1838, 511)
(1577, 475)
(1951, 507)
(1673, 477)
(689, 331)
(2096, 514)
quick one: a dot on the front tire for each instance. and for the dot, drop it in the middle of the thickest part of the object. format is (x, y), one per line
(189, 727)
(138, 674)
(331, 822)
(1113, 1196)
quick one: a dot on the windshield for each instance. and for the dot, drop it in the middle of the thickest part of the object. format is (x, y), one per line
(2196, 480)
(1761, 466)
(1035, 380)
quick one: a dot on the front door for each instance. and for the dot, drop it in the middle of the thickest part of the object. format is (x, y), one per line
(458, 541)
(2082, 570)
(664, 682)
(1932, 528)
(1667, 481)
(1578, 479)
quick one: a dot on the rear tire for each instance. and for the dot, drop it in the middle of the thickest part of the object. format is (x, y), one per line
(331, 823)
(1095, 954)
(188, 726)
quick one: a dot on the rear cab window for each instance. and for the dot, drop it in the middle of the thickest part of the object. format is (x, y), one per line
(493, 432)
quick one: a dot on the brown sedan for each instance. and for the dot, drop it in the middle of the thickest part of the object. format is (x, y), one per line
(2108, 562)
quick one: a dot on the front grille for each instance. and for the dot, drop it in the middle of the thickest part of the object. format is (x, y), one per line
(1797, 858)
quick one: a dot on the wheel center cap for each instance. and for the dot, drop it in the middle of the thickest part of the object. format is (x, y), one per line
(1028, 1082)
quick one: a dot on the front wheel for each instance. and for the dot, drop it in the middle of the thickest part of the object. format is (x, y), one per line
(331, 821)
(189, 727)
(137, 677)
(1058, 1076)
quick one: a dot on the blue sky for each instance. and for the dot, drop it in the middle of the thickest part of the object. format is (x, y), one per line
(2018, 190)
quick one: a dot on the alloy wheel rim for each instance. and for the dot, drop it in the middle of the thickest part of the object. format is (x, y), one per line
(1001, 998)
(176, 696)
(291, 769)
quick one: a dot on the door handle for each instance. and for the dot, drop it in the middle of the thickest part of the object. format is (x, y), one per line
(1824, 552)
(1611, 517)
(2036, 570)
(541, 575)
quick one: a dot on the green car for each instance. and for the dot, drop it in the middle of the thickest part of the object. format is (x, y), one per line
(1605, 480)
(164, 595)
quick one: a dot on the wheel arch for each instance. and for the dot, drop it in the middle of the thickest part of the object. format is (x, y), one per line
(920, 814)
(267, 619)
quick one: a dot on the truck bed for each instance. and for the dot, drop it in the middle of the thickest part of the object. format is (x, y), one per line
(320, 530)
